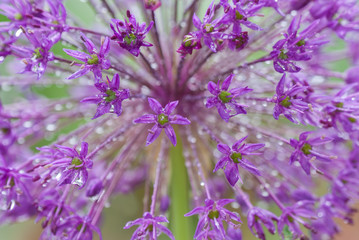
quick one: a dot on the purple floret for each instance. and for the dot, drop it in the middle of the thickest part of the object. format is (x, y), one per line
(162, 120)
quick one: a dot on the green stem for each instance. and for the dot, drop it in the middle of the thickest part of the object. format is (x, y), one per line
(180, 225)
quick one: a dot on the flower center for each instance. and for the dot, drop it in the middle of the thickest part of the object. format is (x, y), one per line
(240, 41)
(5, 130)
(240, 16)
(283, 55)
(224, 96)
(208, 28)
(18, 16)
(213, 214)
(187, 41)
(300, 43)
(149, 228)
(93, 60)
(162, 119)
(76, 161)
(306, 149)
(130, 39)
(286, 102)
(352, 120)
(339, 105)
(37, 54)
(236, 156)
(111, 95)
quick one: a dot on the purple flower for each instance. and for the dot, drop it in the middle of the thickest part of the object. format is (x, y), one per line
(238, 15)
(65, 164)
(295, 47)
(75, 227)
(304, 151)
(231, 158)
(95, 61)
(110, 96)
(191, 41)
(162, 120)
(130, 35)
(224, 100)
(256, 216)
(342, 109)
(19, 12)
(152, 4)
(237, 40)
(208, 29)
(13, 188)
(287, 102)
(149, 226)
(36, 57)
(211, 218)
(291, 217)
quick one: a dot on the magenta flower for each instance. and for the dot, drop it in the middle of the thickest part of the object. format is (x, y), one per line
(190, 42)
(65, 164)
(149, 227)
(224, 100)
(304, 151)
(211, 218)
(232, 157)
(287, 102)
(162, 120)
(152, 4)
(129, 34)
(95, 61)
(110, 96)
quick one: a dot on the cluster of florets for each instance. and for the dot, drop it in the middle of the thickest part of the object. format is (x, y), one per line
(256, 112)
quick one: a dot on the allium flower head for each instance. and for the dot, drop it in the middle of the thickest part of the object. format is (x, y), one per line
(267, 91)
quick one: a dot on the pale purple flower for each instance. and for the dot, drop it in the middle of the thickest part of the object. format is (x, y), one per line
(95, 61)
(232, 157)
(110, 96)
(150, 227)
(162, 120)
(225, 100)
